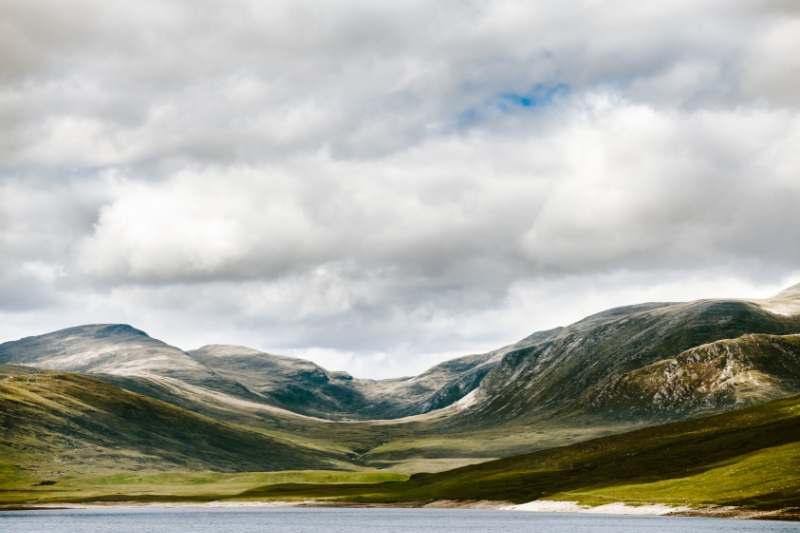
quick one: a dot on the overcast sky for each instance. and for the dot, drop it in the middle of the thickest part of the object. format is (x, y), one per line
(379, 186)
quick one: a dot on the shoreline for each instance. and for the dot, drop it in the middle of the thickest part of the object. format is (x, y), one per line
(536, 506)
(657, 509)
(617, 508)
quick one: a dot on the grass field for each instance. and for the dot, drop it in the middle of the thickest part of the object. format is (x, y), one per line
(169, 486)
(767, 478)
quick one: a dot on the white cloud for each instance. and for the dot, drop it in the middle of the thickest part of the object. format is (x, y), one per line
(612, 185)
(382, 186)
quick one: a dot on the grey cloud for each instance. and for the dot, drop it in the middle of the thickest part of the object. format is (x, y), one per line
(388, 180)
(624, 187)
(252, 79)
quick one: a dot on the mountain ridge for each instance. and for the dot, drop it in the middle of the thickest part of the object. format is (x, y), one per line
(558, 375)
(622, 368)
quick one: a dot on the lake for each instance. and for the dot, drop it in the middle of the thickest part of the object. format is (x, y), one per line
(311, 520)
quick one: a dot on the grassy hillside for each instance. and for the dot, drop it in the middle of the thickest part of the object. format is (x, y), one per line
(748, 457)
(53, 424)
(420, 444)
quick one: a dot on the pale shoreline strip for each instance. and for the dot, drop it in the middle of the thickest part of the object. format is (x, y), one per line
(617, 508)
(536, 506)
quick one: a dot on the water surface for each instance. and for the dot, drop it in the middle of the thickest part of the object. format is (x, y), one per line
(295, 520)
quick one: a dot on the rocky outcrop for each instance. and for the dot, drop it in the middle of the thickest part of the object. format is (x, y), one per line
(720, 376)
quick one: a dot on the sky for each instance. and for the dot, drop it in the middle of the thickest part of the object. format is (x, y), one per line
(381, 186)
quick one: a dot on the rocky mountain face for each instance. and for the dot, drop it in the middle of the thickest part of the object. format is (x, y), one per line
(637, 362)
(719, 376)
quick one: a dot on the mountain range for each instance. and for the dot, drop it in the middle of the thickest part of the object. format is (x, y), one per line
(71, 393)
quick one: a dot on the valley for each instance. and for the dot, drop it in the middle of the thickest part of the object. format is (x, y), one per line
(744, 458)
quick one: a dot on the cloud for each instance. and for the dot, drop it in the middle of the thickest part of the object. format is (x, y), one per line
(386, 185)
(607, 185)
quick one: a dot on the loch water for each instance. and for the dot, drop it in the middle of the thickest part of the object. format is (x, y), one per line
(316, 520)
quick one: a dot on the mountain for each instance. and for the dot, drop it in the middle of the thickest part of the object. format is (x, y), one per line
(596, 367)
(115, 349)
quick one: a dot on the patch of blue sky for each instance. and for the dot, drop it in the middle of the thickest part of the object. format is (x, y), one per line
(538, 97)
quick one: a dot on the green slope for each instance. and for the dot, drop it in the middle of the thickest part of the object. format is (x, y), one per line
(58, 423)
(167, 486)
(743, 458)
(748, 457)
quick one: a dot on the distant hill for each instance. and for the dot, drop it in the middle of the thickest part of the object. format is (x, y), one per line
(306, 388)
(130, 358)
